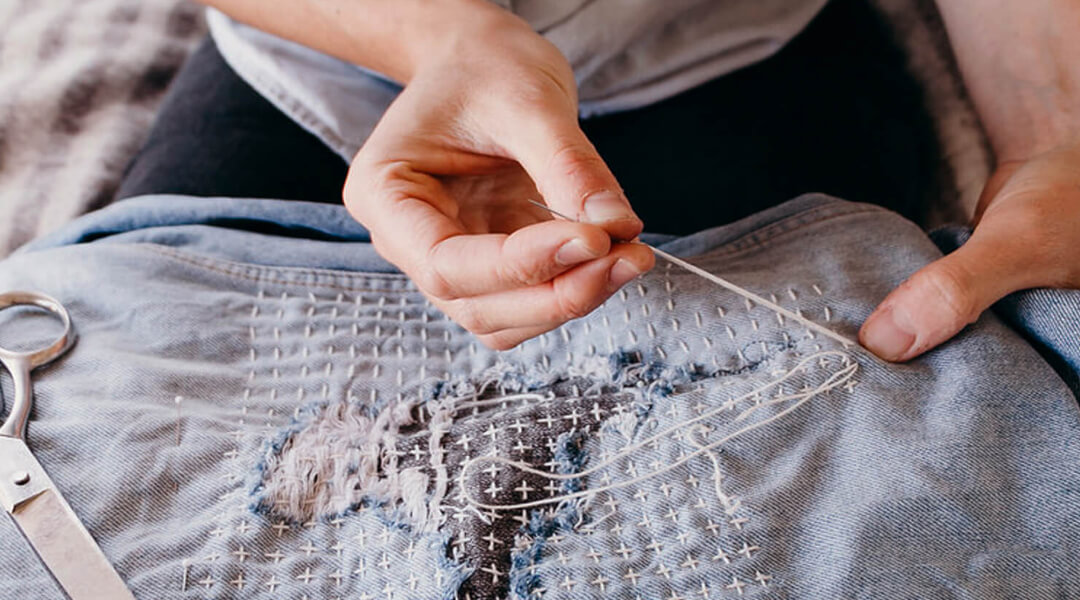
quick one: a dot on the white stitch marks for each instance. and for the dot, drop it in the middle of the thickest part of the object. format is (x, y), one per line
(835, 380)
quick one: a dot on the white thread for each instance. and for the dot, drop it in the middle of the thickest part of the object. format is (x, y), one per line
(502, 399)
(745, 293)
(835, 380)
(718, 474)
(186, 563)
(751, 296)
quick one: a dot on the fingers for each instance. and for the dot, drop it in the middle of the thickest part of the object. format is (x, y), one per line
(447, 263)
(937, 302)
(569, 173)
(504, 319)
(471, 265)
(505, 288)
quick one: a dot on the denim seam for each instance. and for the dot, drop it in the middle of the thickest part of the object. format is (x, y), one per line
(235, 269)
(775, 231)
(265, 274)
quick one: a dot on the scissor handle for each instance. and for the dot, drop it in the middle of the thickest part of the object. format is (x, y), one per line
(20, 363)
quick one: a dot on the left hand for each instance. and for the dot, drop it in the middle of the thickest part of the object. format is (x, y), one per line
(1027, 234)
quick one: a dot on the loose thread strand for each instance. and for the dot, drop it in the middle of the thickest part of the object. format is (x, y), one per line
(834, 380)
(745, 293)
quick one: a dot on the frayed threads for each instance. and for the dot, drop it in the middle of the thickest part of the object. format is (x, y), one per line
(795, 400)
(570, 456)
(336, 457)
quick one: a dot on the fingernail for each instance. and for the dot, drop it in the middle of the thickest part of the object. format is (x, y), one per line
(622, 273)
(606, 206)
(887, 336)
(573, 252)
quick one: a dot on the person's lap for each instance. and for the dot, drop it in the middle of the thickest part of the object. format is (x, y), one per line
(860, 478)
(833, 112)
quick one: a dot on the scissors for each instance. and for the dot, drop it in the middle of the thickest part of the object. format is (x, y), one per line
(46, 520)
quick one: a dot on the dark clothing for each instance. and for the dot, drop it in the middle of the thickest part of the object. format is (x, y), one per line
(835, 111)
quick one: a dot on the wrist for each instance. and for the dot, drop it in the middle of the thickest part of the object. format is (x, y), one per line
(1034, 132)
(424, 35)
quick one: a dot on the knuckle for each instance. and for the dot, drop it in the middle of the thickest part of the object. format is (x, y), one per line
(431, 276)
(517, 273)
(572, 304)
(368, 185)
(546, 84)
(471, 317)
(393, 180)
(431, 281)
(947, 286)
(575, 160)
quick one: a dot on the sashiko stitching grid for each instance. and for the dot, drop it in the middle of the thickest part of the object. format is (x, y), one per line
(346, 459)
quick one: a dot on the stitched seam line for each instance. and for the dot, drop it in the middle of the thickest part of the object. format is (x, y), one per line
(767, 240)
(234, 269)
(758, 238)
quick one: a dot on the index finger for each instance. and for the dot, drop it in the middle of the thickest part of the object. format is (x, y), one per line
(447, 262)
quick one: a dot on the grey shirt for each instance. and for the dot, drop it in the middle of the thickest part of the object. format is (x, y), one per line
(625, 54)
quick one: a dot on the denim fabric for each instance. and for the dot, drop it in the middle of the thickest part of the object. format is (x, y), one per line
(1045, 317)
(328, 415)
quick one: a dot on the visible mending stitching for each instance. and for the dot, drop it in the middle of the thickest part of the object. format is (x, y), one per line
(513, 382)
(349, 457)
(546, 526)
(751, 296)
(350, 452)
(233, 455)
(835, 380)
(745, 293)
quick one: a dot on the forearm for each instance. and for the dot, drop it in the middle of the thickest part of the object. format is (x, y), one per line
(1021, 62)
(393, 37)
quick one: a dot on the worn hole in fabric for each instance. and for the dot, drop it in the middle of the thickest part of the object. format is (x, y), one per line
(407, 458)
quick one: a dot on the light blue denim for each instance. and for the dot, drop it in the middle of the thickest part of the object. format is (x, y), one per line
(954, 476)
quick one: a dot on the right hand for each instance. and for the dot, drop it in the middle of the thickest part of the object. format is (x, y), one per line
(442, 184)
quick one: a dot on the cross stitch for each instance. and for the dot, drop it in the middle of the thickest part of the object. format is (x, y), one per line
(497, 425)
(835, 380)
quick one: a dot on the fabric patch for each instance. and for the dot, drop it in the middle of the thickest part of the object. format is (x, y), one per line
(412, 458)
(657, 518)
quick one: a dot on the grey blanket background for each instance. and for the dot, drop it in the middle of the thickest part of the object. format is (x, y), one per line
(80, 81)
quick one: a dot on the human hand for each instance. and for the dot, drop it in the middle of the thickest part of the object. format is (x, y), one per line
(444, 180)
(1027, 234)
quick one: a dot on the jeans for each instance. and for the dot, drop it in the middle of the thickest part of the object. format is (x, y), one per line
(260, 407)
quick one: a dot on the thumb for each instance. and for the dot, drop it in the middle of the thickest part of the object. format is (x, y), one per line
(570, 175)
(937, 301)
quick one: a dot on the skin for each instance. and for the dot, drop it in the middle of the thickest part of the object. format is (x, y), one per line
(488, 119)
(1021, 64)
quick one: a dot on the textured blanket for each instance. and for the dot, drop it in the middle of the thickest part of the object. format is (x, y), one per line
(80, 81)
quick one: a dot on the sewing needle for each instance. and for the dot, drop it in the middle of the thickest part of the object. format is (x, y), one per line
(722, 283)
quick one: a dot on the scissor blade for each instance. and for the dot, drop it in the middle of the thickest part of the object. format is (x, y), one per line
(52, 528)
(67, 549)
